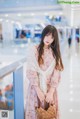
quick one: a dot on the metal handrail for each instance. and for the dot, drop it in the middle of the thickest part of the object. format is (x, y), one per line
(15, 66)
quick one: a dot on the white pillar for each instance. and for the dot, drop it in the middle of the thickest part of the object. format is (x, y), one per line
(7, 31)
(74, 41)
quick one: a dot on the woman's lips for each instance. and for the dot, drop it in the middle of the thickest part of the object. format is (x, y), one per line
(47, 42)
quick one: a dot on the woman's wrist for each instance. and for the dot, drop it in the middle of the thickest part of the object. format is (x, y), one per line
(37, 89)
(52, 90)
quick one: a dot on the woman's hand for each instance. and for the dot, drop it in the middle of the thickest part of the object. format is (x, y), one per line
(49, 96)
(40, 94)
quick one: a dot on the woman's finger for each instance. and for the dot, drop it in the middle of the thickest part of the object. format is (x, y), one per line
(51, 102)
(47, 100)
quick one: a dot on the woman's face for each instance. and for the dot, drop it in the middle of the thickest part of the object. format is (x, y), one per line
(48, 39)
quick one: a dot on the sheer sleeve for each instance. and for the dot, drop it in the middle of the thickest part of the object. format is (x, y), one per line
(55, 78)
(32, 77)
(31, 71)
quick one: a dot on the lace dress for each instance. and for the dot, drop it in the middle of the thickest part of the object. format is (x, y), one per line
(51, 81)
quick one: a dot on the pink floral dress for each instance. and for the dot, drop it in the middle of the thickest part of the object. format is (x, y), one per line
(32, 98)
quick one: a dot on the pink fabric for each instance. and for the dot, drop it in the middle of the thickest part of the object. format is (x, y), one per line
(32, 99)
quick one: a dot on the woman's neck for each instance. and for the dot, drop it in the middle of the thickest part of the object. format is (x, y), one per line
(46, 47)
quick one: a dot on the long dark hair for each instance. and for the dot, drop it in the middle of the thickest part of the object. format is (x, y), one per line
(54, 46)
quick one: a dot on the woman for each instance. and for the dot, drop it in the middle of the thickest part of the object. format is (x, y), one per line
(43, 72)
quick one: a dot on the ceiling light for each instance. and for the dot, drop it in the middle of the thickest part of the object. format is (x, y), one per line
(15, 51)
(71, 80)
(12, 22)
(71, 99)
(6, 15)
(71, 92)
(71, 86)
(19, 15)
(32, 14)
(71, 110)
(7, 20)
(1, 20)
(60, 13)
(45, 13)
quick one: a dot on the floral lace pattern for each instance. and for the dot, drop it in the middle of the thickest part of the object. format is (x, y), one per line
(32, 99)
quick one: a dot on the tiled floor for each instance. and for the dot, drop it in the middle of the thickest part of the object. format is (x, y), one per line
(69, 88)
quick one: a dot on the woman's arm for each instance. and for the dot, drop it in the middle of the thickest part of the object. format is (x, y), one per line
(33, 79)
(32, 72)
(55, 79)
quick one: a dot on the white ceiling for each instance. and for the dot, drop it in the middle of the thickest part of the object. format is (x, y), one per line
(29, 10)
(25, 3)
(28, 6)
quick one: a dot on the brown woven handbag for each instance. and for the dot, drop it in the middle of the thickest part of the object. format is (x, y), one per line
(50, 113)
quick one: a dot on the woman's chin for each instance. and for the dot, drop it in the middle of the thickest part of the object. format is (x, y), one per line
(47, 44)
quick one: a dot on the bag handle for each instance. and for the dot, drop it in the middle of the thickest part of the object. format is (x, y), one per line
(44, 105)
